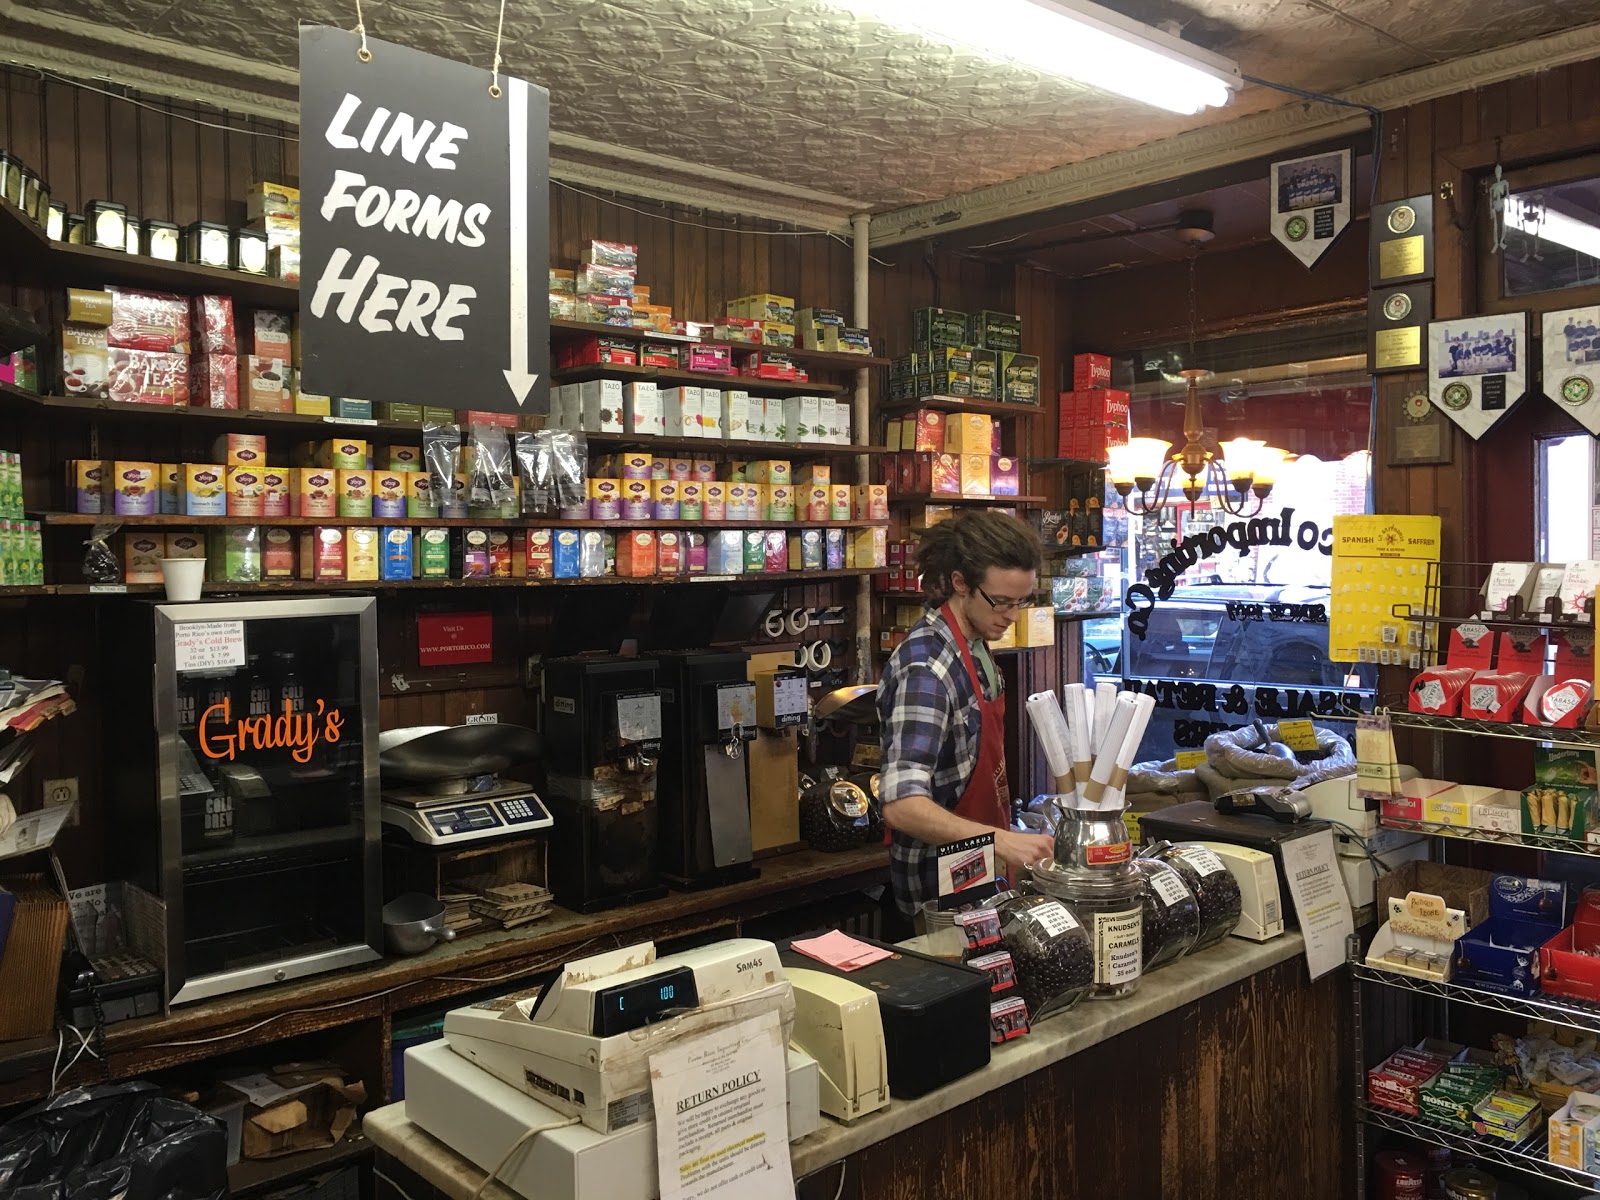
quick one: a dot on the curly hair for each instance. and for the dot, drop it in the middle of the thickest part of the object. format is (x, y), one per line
(972, 543)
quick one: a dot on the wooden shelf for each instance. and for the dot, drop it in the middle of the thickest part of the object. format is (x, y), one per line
(90, 266)
(561, 329)
(953, 498)
(169, 520)
(251, 1175)
(964, 404)
(380, 585)
(744, 383)
(212, 418)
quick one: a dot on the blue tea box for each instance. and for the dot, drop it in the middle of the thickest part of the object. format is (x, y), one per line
(397, 562)
(564, 554)
(725, 552)
(1502, 953)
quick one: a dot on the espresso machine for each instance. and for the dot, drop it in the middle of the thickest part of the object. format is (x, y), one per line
(603, 741)
(703, 797)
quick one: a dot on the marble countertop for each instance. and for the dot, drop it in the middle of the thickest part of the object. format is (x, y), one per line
(1088, 1024)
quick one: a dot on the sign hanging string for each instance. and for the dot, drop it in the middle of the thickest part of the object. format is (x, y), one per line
(494, 72)
(363, 54)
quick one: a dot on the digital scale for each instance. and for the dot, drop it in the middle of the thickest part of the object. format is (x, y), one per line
(441, 783)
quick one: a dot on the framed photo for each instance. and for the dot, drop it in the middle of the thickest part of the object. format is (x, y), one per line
(1478, 368)
(1311, 203)
(1572, 363)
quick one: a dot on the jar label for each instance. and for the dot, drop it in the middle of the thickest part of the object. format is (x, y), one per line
(1204, 861)
(1104, 856)
(1169, 889)
(1054, 919)
(1117, 948)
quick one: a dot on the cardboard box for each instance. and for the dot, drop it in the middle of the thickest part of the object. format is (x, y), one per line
(205, 489)
(1502, 954)
(318, 491)
(277, 553)
(975, 475)
(1571, 1126)
(1090, 371)
(310, 1120)
(636, 553)
(1005, 476)
(1036, 626)
(995, 330)
(870, 502)
(869, 547)
(669, 552)
(245, 492)
(600, 403)
(839, 502)
(142, 552)
(1568, 965)
(641, 409)
(355, 493)
(433, 554)
(322, 552)
(264, 384)
(134, 488)
(967, 433)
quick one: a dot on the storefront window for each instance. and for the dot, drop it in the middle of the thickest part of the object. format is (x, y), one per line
(1566, 530)
(1552, 238)
(1244, 633)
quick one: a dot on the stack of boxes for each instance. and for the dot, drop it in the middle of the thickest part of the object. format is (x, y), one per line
(969, 355)
(953, 454)
(826, 329)
(21, 541)
(126, 345)
(606, 290)
(1094, 415)
(274, 209)
(640, 408)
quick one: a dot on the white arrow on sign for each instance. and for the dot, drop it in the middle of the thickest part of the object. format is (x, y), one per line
(518, 376)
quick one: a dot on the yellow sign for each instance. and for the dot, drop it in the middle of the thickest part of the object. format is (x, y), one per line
(1298, 735)
(1397, 347)
(1400, 258)
(1379, 562)
(1188, 760)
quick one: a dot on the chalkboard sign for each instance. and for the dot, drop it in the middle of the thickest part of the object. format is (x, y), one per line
(424, 229)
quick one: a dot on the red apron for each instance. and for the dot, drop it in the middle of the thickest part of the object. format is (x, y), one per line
(987, 799)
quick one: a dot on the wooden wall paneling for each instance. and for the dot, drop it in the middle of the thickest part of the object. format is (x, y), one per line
(1554, 97)
(63, 153)
(25, 119)
(1583, 88)
(1494, 110)
(1522, 104)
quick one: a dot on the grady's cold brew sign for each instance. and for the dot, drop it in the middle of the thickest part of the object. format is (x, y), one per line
(1243, 536)
(220, 736)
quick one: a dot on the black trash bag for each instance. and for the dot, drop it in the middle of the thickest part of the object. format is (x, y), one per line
(122, 1141)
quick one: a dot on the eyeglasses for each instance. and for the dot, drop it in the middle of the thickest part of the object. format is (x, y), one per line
(1001, 605)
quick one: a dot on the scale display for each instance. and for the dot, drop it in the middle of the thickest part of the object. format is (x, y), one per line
(635, 1005)
(448, 821)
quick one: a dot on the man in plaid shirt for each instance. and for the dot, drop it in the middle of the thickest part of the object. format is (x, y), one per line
(941, 704)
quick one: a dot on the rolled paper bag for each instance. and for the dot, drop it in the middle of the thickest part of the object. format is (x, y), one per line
(1105, 700)
(1078, 699)
(1105, 762)
(1115, 796)
(1050, 727)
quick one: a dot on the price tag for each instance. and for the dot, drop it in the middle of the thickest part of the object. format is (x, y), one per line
(1188, 760)
(1298, 735)
(207, 645)
(1054, 919)
(1170, 888)
(1204, 861)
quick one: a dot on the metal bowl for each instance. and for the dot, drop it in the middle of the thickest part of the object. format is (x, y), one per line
(429, 753)
(413, 923)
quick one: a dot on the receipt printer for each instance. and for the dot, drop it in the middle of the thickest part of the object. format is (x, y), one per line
(1261, 915)
(837, 1023)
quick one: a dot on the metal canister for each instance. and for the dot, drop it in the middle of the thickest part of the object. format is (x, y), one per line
(1463, 1183)
(1400, 1175)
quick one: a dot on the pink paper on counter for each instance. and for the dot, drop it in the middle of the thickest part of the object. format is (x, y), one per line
(840, 950)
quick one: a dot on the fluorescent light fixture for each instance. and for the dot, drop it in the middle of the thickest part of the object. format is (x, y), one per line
(1551, 226)
(1073, 39)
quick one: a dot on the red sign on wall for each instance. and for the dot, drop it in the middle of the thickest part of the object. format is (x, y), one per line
(449, 638)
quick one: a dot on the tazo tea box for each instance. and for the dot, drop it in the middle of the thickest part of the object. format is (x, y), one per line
(142, 551)
(319, 492)
(641, 410)
(389, 493)
(600, 402)
(135, 489)
(433, 554)
(736, 416)
(277, 553)
(710, 412)
(245, 490)
(322, 552)
(871, 501)
(680, 411)
(205, 490)
(355, 493)
(361, 553)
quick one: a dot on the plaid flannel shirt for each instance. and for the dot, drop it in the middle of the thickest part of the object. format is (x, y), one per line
(929, 729)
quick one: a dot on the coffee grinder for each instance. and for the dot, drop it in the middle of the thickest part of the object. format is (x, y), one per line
(709, 717)
(602, 737)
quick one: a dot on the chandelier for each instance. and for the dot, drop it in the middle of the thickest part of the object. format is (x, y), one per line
(1241, 479)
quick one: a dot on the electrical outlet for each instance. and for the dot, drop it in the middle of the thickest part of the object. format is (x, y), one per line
(62, 791)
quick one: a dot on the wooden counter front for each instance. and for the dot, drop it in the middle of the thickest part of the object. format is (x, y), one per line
(1219, 1078)
(268, 1015)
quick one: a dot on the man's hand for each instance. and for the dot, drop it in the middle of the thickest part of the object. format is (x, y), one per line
(1019, 851)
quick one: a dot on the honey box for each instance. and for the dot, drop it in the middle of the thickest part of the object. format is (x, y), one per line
(205, 489)
(354, 493)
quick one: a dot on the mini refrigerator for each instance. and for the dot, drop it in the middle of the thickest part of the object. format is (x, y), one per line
(242, 787)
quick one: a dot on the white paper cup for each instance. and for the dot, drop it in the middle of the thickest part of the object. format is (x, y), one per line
(183, 577)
